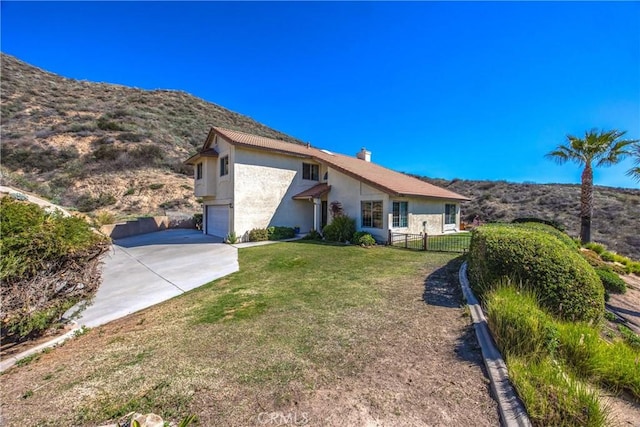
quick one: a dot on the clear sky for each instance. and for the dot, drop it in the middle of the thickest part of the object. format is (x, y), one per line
(470, 90)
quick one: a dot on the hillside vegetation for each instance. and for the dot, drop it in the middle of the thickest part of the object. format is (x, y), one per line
(97, 146)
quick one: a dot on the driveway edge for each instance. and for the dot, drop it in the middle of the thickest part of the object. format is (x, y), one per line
(9, 362)
(511, 408)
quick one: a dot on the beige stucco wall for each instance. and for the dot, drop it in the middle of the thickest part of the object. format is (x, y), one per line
(265, 185)
(350, 192)
(206, 186)
(423, 211)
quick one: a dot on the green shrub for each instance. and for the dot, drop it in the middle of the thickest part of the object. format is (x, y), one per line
(611, 281)
(156, 186)
(564, 237)
(313, 235)
(231, 238)
(607, 256)
(197, 221)
(563, 281)
(103, 123)
(549, 222)
(362, 238)
(595, 247)
(279, 233)
(258, 235)
(88, 203)
(48, 263)
(341, 229)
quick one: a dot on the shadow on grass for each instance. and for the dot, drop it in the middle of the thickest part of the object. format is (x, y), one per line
(441, 288)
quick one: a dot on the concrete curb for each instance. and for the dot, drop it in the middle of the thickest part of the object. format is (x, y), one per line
(512, 412)
(11, 361)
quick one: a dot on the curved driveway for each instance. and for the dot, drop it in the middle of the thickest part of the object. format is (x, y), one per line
(144, 270)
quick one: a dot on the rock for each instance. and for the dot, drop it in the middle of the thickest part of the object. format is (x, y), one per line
(148, 420)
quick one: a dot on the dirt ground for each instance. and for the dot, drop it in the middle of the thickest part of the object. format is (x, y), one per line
(424, 369)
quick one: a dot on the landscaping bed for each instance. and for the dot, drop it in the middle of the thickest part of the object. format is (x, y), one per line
(334, 335)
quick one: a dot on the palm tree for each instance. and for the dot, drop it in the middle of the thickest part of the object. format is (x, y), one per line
(635, 171)
(597, 148)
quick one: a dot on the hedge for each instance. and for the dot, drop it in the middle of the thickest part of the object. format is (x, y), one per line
(566, 285)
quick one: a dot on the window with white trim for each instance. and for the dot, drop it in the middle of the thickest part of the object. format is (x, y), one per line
(400, 214)
(371, 213)
(224, 166)
(199, 171)
(310, 171)
(449, 214)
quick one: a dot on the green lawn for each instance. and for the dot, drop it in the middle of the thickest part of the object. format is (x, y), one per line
(297, 316)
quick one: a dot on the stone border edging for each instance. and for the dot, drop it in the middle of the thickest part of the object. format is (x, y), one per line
(511, 408)
(10, 361)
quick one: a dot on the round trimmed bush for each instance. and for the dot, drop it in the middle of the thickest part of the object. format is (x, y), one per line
(362, 238)
(566, 285)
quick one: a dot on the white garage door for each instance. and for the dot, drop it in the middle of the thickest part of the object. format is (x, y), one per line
(218, 220)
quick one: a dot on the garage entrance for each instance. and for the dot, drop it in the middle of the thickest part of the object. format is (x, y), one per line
(217, 220)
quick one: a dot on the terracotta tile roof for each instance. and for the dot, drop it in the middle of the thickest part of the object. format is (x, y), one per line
(391, 182)
(314, 192)
(209, 152)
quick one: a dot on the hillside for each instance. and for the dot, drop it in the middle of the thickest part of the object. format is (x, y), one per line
(97, 146)
(104, 146)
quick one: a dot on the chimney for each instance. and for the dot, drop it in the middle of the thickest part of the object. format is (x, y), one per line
(363, 154)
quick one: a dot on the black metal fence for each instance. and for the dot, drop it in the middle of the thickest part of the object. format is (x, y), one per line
(458, 242)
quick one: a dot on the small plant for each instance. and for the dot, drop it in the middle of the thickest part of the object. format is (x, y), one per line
(104, 218)
(607, 256)
(130, 191)
(595, 247)
(156, 186)
(197, 221)
(231, 238)
(629, 336)
(258, 235)
(81, 331)
(313, 235)
(341, 229)
(611, 281)
(362, 238)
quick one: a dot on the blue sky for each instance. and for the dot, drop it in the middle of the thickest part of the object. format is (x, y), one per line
(472, 90)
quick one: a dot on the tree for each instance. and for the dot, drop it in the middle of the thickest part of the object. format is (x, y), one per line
(634, 172)
(597, 148)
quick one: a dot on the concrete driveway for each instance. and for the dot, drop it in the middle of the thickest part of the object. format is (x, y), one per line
(141, 271)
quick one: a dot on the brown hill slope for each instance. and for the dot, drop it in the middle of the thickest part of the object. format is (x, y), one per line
(97, 146)
(616, 216)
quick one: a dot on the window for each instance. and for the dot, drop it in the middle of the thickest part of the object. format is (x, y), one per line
(224, 166)
(449, 214)
(400, 210)
(310, 171)
(199, 171)
(371, 214)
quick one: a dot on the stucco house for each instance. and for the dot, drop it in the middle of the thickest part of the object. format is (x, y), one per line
(248, 181)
